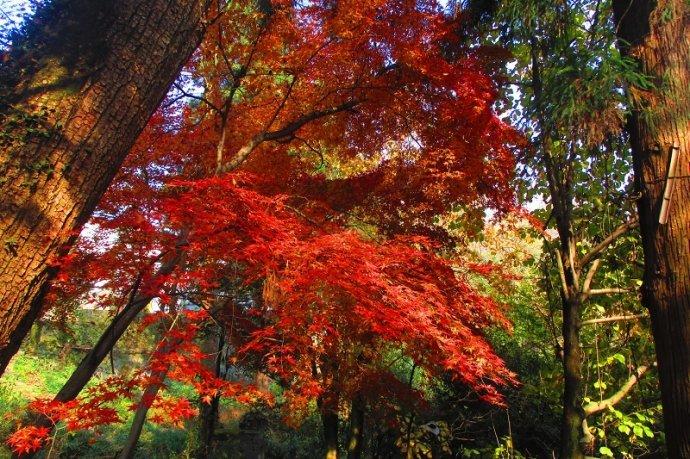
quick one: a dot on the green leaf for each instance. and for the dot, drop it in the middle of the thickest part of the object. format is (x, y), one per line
(605, 451)
(600, 385)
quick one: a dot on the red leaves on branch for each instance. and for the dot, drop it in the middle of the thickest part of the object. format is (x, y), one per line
(28, 439)
(321, 147)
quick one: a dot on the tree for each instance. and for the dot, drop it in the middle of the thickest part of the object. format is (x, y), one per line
(165, 145)
(569, 80)
(72, 106)
(311, 123)
(657, 36)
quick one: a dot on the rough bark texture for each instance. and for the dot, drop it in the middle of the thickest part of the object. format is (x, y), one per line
(73, 99)
(657, 34)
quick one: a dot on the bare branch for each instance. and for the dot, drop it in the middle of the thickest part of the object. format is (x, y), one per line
(607, 291)
(286, 131)
(602, 320)
(561, 273)
(596, 407)
(608, 240)
(590, 275)
(199, 98)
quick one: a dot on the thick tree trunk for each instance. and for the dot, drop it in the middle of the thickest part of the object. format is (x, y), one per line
(208, 417)
(657, 34)
(96, 71)
(356, 430)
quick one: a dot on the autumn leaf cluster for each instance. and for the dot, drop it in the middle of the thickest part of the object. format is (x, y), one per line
(304, 154)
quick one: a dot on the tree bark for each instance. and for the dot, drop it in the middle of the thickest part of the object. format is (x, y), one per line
(573, 415)
(208, 417)
(75, 94)
(140, 416)
(329, 418)
(356, 431)
(208, 412)
(657, 34)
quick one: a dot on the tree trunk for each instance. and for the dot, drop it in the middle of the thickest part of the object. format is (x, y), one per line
(140, 417)
(208, 417)
(329, 418)
(93, 359)
(208, 412)
(657, 34)
(36, 334)
(560, 180)
(96, 72)
(147, 398)
(573, 415)
(356, 431)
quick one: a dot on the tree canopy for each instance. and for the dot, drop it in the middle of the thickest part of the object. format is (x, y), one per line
(383, 228)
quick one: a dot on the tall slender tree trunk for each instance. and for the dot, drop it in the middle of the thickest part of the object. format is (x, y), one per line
(147, 398)
(74, 95)
(329, 418)
(140, 416)
(559, 179)
(355, 435)
(573, 414)
(93, 359)
(208, 412)
(328, 406)
(105, 344)
(657, 34)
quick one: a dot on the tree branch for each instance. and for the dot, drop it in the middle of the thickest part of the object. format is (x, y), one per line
(561, 273)
(607, 291)
(622, 229)
(590, 275)
(596, 407)
(285, 132)
(199, 98)
(602, 320)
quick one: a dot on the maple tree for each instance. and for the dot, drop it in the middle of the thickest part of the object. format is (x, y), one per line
(323, 141)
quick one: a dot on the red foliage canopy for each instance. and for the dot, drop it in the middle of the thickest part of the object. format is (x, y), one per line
(338, 115)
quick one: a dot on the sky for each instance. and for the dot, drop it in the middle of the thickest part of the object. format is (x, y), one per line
(11, 14)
